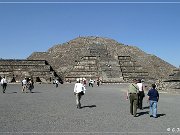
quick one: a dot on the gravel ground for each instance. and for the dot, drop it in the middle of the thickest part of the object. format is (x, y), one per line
(50, 110)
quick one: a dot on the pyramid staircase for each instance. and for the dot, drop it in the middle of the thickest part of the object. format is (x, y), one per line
(131, 69)
(86, 67)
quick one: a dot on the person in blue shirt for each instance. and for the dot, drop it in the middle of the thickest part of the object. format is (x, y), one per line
(153, 97)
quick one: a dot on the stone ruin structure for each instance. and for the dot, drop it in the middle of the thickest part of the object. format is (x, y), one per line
(171, 84)
(120, 70)
(93, 58)
(16, 70)
(103, 58)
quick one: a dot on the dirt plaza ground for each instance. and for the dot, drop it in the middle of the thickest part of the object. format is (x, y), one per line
(105, 110)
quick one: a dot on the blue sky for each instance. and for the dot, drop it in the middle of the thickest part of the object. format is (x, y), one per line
(29, 27)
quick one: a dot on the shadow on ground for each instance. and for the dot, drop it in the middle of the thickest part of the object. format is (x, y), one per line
(11, 92)
(142, 113)
(160, 115)
(88, 106)
(146, 107)
(35, 92)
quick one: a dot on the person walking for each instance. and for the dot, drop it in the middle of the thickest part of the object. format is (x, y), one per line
(132, 94)
(153, 97)
(79, 90)
(24, 85)
(30, 85)
(141, 94)
(4, 84)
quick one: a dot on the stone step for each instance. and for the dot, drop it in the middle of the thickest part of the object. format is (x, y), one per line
(25, 68)
(23, 62)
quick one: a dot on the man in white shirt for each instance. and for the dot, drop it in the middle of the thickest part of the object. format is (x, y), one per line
(79, 90)
(56, 83)
(140, 94)
(24, 85)
(91, 82)
(4, 84)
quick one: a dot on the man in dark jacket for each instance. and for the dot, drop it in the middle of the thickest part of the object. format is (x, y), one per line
(153, 97)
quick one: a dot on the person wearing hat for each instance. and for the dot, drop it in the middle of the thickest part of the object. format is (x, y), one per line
(132, 94)
(153, 97)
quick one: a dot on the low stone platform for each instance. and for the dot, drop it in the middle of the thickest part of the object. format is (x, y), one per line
(15, 70)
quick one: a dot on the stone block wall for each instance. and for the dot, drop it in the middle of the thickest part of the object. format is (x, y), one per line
(130, 69)
(19, 69)
(85, 68)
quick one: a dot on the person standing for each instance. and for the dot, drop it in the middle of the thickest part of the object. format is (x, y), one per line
(98, 82)
(132, 94)
(140, 94)
(4, 84)
(153, 97)
(24, 85)
(91, 82)
(56, 83)
(79, 90)
(84, 81)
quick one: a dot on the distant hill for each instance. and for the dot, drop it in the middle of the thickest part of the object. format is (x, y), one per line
(63, 57)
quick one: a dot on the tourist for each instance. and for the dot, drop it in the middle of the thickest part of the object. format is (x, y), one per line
(30, 85)
(79, 90)
(98, 82)
(4, 84)
(141, 94)
(24, 85)
(56, 82)
(91, 82)
(153, 98)
(132, 94)
(84, 81)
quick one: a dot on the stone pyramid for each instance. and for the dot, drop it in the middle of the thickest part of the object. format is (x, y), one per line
(104, 58)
